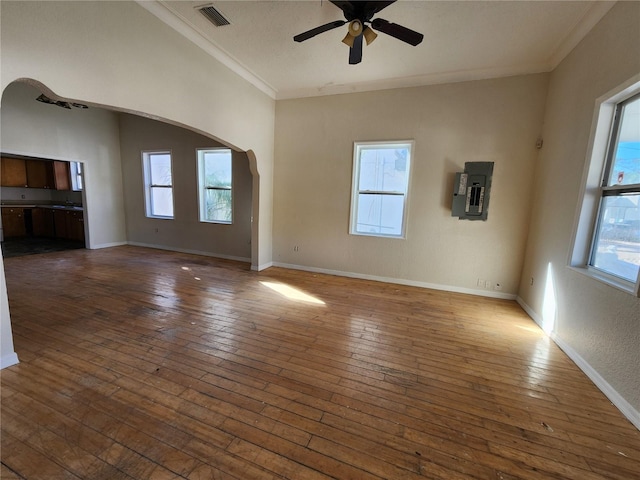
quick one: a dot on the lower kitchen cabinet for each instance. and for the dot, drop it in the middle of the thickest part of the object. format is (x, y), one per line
(60, 223)
(75, 226)
(42, 221)
(69, 224)
(13, 224)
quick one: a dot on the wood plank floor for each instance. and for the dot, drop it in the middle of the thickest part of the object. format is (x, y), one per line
(144, 364)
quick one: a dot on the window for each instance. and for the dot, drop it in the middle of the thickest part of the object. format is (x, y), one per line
(215, 185)
(76, 176)
(158, 184)
(380, 184)
(616, 244)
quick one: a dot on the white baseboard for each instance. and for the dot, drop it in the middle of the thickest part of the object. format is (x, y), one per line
(193, 252)
(8, 360)
(106, 245)
(621, 404)
(259, 268)
(400, 281)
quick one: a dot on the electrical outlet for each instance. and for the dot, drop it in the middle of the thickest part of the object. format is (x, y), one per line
(480, 283)
(296, 249)
(487, 284)
(531, 283)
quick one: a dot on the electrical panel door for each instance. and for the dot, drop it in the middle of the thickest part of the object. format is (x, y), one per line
(471, 191)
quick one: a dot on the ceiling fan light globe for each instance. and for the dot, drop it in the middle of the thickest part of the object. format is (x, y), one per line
(369, 35)
(348, 40)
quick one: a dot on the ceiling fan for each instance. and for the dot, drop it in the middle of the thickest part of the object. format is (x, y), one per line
(359, 16)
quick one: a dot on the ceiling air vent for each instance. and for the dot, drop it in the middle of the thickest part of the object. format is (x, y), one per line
(213, 15)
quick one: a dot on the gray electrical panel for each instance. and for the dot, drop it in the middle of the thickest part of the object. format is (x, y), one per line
(471, 191)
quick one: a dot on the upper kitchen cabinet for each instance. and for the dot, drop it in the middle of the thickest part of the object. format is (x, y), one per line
(13, 172)
(61, 175)
(18, 172)
(39, 174)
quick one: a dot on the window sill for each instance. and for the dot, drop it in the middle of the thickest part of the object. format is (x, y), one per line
(216, 222)
(610, 280)
(378, 235)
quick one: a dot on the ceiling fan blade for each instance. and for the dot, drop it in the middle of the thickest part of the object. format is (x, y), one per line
(301, 37)
(355, 52)
(397, 31)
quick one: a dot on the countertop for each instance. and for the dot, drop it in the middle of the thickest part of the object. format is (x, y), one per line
(75, 208)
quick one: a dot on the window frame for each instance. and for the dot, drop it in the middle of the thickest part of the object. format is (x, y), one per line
(202, 188)
(595, 188)
(358, 147)
(77, 176)
(148, 186)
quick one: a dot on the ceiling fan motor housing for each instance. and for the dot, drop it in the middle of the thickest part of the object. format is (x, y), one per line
(357, 14)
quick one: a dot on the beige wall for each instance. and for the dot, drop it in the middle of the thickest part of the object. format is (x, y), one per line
(184, 232)
(598, 325)
(492, 120)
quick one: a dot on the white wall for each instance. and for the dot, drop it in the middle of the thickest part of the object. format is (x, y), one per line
(8, 356)
(90, 136)
(184, 232)
(598, 325)
(492, 120)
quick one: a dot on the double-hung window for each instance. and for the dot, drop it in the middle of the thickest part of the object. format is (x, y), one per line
(158, 182)
(380, 188)
(215, 180)
(616, 242)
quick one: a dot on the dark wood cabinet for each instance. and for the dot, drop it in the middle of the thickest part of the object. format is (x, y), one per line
(13, 224)
(39, 174)
(69, 224)
(61, 175)
(18, 172)
(75, 226)
(42, 221)
(13, 172)
(60, 223)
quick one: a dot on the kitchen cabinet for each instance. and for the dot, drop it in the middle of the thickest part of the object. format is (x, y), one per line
(61, 175)
(39, 174)
(18, 172)
(13, 224)
(60, 223)
(75, 226)
(43, 223)
(13, 172)
(69, 224)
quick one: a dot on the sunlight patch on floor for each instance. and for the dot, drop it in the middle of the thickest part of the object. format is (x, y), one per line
(292, 293)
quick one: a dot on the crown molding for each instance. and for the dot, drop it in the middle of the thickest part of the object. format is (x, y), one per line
(186, 30)
(414, 81)
(592, 15)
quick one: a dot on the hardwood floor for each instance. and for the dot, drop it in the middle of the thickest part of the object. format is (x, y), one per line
(139, 363)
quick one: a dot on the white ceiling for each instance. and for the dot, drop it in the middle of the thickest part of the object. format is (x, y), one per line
(463, 40)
